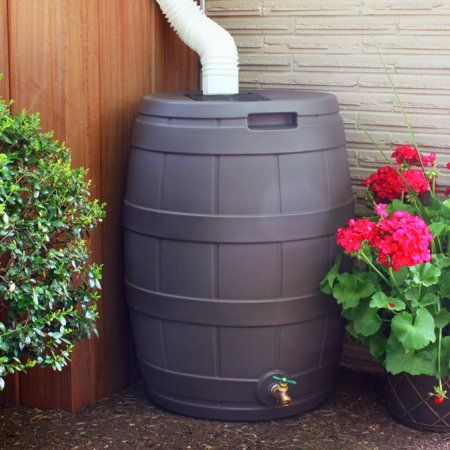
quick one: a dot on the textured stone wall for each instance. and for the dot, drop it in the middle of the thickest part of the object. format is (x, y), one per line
(328, 45)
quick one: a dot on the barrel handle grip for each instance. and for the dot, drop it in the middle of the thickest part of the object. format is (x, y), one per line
(272, 121)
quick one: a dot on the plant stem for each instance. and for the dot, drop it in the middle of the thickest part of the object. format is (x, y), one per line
(404, 114)
(372, 265)
(399, 103)
(439, 352)
(411, 191)
(439, 348)
(394, 281)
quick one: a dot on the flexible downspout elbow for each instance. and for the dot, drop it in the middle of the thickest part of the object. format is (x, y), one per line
(214, 45)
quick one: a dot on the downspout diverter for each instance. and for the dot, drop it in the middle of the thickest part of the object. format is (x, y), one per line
(214, 45)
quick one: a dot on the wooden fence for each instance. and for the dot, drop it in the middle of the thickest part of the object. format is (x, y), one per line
(84, 65)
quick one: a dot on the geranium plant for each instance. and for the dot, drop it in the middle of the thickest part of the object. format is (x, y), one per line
(48, 288)
(396, 299)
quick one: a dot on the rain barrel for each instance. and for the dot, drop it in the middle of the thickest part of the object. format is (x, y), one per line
(231, 207)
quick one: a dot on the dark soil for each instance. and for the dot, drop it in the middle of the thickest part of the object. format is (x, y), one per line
(355, 417)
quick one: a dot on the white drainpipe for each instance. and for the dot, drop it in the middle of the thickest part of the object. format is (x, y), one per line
(214, 45)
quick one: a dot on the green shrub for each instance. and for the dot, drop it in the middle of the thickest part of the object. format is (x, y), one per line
(48, 288)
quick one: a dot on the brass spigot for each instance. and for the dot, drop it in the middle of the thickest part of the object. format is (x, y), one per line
(279, 392)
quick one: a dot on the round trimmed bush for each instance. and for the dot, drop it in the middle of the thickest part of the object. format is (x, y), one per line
(48, 287)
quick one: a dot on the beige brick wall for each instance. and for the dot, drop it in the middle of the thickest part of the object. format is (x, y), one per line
(328, 45)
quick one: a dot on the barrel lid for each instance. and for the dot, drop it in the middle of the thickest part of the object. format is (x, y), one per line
(194, 105)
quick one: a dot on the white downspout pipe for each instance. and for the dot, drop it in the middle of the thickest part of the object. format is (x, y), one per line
(214, 45)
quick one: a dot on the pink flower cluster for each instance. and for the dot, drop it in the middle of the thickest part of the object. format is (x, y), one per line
(407, 154)
(356, 232)
(387, 185)
(401, 239)
(392, 182)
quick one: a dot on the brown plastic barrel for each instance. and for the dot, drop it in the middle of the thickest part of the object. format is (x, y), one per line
(230, 213)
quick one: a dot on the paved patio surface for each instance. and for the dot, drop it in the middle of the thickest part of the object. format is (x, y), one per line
(355, 417)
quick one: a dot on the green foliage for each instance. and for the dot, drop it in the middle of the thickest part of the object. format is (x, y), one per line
(425, 274)
(326, 285)
(381, 300)
(422, 362)
(48, 288)
(414, 332)
(400, 316)
(366, 321)
(412, 304)
(351, 289)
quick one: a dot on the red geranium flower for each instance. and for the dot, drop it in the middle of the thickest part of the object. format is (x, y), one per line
(387, 185)
(356, 232)
(406, 154)
(417, 180)
(384, 184)
(403, 239)
(429, 160)
(411, 156)
(381, 209)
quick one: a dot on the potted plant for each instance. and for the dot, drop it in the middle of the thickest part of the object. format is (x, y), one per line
(48, 288)
(396, 298)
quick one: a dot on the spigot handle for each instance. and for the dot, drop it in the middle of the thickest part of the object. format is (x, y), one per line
(284, 380)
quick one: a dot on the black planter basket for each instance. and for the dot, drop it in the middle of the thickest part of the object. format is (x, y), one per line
(411, 404)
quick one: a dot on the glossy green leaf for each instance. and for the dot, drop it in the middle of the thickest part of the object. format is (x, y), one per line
(419, 362)
(429, 299)
(426, 274)
(380, 300)
(326, 285)
(442, 318)
(351, 288)
(441, 260)
(366, 320)
(49, 286)
(398, 205)
(377, 346)
(414, 333)
(437, 228)
(444, 283)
